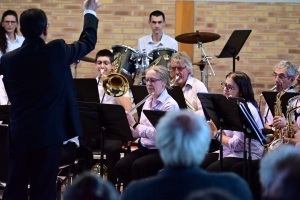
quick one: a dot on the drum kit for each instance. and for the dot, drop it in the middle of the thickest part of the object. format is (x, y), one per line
(131, 62)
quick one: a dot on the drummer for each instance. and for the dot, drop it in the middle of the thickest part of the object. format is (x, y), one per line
(157, 39)
(181, 71)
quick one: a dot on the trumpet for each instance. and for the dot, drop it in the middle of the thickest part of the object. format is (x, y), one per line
(189, 106)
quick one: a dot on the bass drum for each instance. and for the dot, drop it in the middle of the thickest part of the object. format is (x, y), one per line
(124, 61)
(160, 56)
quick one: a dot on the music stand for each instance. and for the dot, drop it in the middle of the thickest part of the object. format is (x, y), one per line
(154, 116)
(231, 117)
(101, 121)
(4, 113)
(87, 89)
(139, 92)
(234, 45)
(270, 98)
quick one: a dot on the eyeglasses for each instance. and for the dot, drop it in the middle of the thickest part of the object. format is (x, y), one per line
(104, 63)
(180, 69)
(152, 80)
(280, 76)
(228, 87)
(8, 22)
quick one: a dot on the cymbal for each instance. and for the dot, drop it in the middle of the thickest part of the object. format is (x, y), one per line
(194, 38)
(201, 62)
(88, 59)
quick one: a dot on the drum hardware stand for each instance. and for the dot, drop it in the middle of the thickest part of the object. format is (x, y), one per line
(75, 68)
(206, 58)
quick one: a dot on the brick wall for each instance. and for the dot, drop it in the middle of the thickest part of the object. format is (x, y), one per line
(275, 31)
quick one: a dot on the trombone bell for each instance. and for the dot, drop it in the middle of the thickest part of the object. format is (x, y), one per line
(115, 85)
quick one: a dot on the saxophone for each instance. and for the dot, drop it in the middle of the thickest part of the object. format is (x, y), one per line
(289, 133)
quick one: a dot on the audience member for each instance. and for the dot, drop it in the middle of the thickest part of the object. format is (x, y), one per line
(91, 187)
(183, 139)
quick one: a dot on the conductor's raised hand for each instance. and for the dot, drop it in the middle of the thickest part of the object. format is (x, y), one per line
(91, 5)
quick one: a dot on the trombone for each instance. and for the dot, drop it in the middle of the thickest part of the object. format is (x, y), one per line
(189, 106)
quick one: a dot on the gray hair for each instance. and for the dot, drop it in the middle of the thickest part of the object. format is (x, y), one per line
(163, 73)
(291, 69)
(273, 166)
(182, 56)
(183, 139)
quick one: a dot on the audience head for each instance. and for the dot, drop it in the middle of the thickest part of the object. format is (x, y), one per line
(157, 79)
(238, 84)
(284, 74)
(92, 187)
(180, 65)
(104, 61)
(33, 23)
(279, 175)
(157, 22)
(211, 194)
(183, 139)
(9, 24)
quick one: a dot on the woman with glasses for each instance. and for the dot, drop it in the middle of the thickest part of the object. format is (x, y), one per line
(9, 38)
(237, 84)
(145, 161)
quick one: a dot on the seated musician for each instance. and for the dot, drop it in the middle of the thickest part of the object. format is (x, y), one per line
(112, 148)
(181, 71)
(284, 75)
(145, 161)
(237, 84)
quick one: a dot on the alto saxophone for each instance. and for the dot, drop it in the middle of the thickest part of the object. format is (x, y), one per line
(289, 133)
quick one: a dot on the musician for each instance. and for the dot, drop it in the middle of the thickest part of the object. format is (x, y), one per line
(181, 66)
(237, 84)
(284, 75)
(44, 110)
(183, 139)
(112, 148)
(9, 38)
(157, 39)
(145, 161)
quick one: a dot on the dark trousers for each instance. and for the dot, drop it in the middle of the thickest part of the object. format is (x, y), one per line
(255, 186)
(38, 168)
(212, 164)
(139, 164)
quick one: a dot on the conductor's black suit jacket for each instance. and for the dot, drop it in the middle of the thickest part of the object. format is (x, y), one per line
(39, 84)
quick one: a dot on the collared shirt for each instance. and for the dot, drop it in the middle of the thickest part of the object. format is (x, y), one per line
(190, 90)
(145, 129)
(147, 43)
(236, 142)
(268, 116)
(14, 44)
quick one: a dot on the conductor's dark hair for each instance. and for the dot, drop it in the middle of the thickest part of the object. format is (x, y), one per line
(157, 13)
(244, 84)
(105, 52)
(32, 22)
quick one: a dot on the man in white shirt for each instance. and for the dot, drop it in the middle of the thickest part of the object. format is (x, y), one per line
(157, 39)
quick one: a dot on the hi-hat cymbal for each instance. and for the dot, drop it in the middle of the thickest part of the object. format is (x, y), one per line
(88, 59)
(201, 62)
(194, 38)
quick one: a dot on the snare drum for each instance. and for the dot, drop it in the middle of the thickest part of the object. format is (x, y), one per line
(124, 60)
(160, 56)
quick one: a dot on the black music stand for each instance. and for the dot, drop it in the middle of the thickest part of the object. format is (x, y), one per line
(139, 92)
(270, 98)
(154, 115)
(87, 89)
(4, 113)
(234, 45)
(101, 121)
(232, 114)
